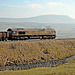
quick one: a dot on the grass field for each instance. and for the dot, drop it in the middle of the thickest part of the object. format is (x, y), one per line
(63, 69)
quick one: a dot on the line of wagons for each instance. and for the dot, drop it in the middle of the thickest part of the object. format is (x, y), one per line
(23, 34)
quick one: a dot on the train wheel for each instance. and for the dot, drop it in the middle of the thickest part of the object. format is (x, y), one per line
(28, 37)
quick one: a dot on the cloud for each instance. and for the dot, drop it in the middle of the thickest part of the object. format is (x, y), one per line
(26, 1)
(35, 6)
(52, 4)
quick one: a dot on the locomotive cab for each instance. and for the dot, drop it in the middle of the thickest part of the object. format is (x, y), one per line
(16, 33)
(11, 33)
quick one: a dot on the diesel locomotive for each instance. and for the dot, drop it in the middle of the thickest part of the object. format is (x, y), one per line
(23, 34)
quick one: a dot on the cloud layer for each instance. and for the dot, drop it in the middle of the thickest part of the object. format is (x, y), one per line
(35, 6)
(51, 4)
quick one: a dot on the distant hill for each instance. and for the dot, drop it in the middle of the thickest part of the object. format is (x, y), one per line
(42, 19)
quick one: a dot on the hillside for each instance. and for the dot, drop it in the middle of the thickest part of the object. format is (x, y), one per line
(42, 19)
(24, 52)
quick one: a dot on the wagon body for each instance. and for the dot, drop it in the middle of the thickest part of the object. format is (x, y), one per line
(4, 35)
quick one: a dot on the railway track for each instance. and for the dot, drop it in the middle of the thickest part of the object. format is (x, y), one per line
(65, 39)
(30, 40)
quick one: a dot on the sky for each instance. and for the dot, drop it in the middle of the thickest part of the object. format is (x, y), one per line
(31, 8)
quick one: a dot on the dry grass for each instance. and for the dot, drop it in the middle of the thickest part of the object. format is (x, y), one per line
(36, 51)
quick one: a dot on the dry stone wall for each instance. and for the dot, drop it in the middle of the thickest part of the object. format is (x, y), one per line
(51, 63)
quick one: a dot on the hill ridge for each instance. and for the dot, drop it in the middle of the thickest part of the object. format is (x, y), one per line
(42, 19)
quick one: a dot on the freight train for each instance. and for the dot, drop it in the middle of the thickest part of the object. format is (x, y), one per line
(23, 34)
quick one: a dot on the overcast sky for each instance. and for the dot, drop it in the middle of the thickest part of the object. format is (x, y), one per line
(30, 8)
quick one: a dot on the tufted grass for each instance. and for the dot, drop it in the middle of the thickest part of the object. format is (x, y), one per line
(22, 52)
(63, 69)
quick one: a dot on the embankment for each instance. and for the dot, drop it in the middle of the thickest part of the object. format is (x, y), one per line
(16, 55)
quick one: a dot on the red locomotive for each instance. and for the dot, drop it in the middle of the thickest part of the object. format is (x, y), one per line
(21, 33)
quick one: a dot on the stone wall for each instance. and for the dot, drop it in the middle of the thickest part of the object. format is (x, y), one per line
(51, 63)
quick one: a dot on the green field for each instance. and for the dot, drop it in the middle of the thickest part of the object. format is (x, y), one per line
(63, 69)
